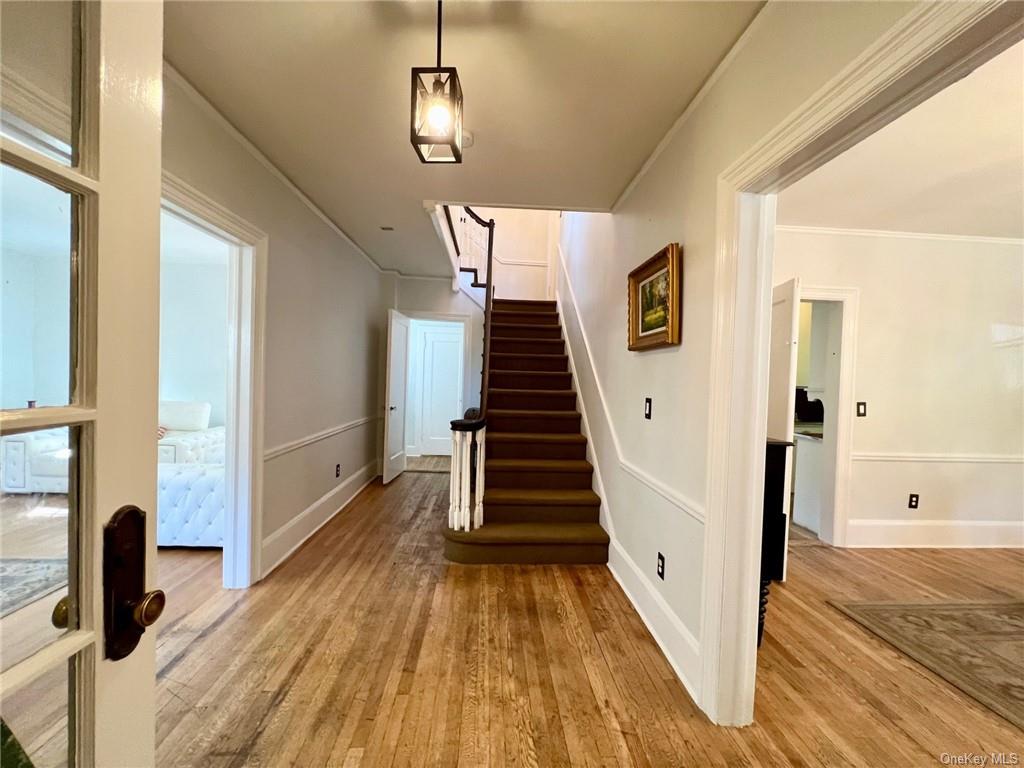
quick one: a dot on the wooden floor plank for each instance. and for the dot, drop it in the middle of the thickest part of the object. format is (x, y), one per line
(367, 649)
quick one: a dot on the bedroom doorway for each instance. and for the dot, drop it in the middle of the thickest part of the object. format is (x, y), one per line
(209, 435)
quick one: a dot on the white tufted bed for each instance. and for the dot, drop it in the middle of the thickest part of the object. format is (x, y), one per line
(190, 473)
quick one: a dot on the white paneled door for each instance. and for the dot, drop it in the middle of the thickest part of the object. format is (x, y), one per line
(435, 385)
(80, 153)
(397, 382)
(785, 339)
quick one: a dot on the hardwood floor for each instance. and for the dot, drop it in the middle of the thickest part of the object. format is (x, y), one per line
(367, 648)
(428, 464)
(32, 526)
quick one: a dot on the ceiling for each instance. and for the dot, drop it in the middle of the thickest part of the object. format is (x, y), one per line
(954, 165)
(565, 100)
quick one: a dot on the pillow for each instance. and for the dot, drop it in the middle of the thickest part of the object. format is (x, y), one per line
(182, 416)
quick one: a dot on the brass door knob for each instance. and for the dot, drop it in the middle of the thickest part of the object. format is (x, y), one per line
(149, 608)
(61, 612)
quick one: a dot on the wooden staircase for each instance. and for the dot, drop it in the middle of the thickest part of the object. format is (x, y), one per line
(539, 505)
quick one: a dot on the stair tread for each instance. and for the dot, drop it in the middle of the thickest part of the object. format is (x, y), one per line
(528, 339)
(529, 373)
(531, 533)
(528, 303)
(551, 496)
(525, 354)
(523, 326)
(540, 465)
(535, 437)
(506, 313)
(521, 391)
(530, 412)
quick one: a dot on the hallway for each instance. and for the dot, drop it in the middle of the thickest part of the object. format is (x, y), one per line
(367, 648)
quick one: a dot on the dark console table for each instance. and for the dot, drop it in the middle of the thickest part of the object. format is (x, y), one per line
(773, 524)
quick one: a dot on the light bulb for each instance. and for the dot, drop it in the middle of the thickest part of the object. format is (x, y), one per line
(439, 117)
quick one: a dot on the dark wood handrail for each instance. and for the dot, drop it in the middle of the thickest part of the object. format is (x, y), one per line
(451, 230)
(488, 306)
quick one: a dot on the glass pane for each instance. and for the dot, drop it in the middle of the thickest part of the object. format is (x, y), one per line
(36, 225)
(34, 720)
(39, 60)
(37, 521)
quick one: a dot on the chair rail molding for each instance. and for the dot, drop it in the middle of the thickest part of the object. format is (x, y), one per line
(302, 442)
(939, 458)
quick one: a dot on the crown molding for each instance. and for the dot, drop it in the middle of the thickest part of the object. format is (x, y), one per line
(849, 232)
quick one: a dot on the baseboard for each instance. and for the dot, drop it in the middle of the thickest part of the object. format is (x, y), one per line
(279, 545)
(676, 641)
(935, 533)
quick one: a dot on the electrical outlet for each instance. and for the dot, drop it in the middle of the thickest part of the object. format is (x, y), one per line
(661, 566)
(914, 501)
(647, 408)
(337, 470)
(862, 409)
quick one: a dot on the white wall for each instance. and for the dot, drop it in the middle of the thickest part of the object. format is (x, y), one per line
(325, 326)
(520, 251)
(654, 473)
(437, 297)
(194, 333)
(940, 363)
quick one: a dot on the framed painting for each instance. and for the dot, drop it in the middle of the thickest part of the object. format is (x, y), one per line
(655, 300)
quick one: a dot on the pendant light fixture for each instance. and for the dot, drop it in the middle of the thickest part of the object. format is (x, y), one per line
(436, 130)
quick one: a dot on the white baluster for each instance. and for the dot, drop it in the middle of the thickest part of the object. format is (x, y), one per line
(464, 473)
(453, 482)
(481, 454)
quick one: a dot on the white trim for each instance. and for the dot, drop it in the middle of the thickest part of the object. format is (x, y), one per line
(43, 660)
(807, 230)
(519, 262)
(323, 434)
(243, 523)
(690, 507)
(280, 545)
(197, 98)
(931, 46)
(936, 533)
(659, 618)
(939, 458)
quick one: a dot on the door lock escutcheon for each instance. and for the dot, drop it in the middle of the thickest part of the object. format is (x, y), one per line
(127, 607)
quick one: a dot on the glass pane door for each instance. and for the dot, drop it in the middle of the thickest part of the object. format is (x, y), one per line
(78, 372)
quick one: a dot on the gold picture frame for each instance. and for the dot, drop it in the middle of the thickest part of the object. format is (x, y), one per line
(655, 300)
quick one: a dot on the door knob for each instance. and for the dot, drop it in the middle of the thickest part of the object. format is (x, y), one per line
(393, 408)
(61, 612)
(148, 609)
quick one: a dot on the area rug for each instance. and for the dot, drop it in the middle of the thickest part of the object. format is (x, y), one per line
(25, 580)
(978, 647)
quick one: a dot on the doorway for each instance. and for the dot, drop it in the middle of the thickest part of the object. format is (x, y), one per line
(427, 365)
(212, 286)
(434, 396)
(886, 87)
(822, 424)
